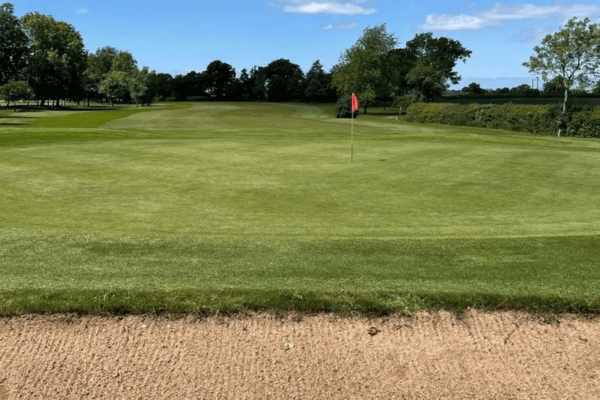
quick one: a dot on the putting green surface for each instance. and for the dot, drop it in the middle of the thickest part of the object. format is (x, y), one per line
(232, 204)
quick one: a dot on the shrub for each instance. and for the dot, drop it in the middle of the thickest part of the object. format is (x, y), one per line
(344, 106)
(171, 99)
(197, 98)
(538, 119)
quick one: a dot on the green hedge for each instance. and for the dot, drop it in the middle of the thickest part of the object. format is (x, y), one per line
(537, 119)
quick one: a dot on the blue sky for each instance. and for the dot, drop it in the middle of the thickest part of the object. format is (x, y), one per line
(179, 36)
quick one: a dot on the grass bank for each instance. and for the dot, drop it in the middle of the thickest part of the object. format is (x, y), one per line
(226, 206)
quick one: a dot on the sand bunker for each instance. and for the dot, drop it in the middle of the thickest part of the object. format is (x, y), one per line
(503, 355)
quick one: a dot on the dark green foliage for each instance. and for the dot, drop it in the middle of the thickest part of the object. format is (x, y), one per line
(218, 79)
(285, 81)
(57, 60)
(319, 85)
(538, 119)
(435, 59)
(473, 88)
(584, 123)
(197, 98)
(343, 108)
(13, 45)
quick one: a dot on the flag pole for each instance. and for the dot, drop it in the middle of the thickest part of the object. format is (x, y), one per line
(352, 137)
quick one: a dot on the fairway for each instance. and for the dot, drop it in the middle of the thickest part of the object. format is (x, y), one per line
(228, 205)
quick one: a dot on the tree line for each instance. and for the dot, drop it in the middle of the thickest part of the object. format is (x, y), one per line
(46, 59)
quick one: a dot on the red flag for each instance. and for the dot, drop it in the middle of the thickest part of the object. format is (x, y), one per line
(355, 104)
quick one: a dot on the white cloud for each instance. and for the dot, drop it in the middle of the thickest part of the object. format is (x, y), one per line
(351, 25)
(514, 12)
(534, 34)
(83, 11)
(325, 7)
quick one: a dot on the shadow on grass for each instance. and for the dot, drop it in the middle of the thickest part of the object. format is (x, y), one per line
(282, 303)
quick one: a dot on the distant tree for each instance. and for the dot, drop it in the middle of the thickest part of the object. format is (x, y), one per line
(473, 88)
(284, 81)
(14, 46)
(363, 68)
(15, 90)
(162, 85)
(521, 91)
(116, 82)
(218, 78)
(573, 53)
(57, 60)
(319, 85)
(99, 65)
(138, 84)
(435, 60)
(245, 84)
(554, 85)
(112, 85)
(258, 82)
(397, 65)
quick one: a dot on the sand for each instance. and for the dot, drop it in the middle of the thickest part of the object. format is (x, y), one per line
(432, 355)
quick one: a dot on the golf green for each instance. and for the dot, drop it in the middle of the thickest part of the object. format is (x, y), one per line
(228, 205)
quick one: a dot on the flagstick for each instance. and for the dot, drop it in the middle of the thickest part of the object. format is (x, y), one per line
(352, 138)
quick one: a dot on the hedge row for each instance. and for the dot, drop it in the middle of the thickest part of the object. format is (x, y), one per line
(537, 119)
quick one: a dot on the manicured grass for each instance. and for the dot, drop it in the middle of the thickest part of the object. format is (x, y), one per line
(228, 205)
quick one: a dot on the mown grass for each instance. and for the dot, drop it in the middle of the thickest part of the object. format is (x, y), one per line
(229, 206)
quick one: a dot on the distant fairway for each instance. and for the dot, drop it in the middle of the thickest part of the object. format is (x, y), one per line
(228, 205)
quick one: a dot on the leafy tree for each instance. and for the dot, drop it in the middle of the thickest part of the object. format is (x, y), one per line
(258, 82)
(245, 84)
(362, 68)
(554, 85)
(99, 65)
(398, 64)
(112, 85)
(573, 53)
(161, 84)
(57, 60)
(218, 78)
(473, 88)
(319, 85)
(13, 45)
(15, 90)
(138, 84)
(435, 60)
(123, 68)
(284, 81)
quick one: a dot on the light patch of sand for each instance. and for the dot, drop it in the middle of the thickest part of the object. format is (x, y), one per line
(501, 355)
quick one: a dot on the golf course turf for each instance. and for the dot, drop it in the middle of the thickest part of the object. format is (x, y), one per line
(257, 205)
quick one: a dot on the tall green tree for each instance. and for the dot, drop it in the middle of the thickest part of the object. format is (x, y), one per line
(554, 85)
(15, 90)
(99, 65)
(218, 78)
(138, 84)
(362, 68)
(572, 54)
(57, 60)
(319, 85)
(284, 81)
(14, 46)
(258, 83)
(115, 70)
(434, 62)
